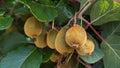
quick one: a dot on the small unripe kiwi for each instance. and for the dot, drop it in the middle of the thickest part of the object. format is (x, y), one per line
(51, 36)
(32, 27)
(40, 40)
(55, 57)
(86, 49)
(60, 45)
(76, 36)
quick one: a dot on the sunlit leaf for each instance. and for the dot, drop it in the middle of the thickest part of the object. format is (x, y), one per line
(105, 11)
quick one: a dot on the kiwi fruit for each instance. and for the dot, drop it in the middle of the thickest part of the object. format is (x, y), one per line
(87, 49)
(76, 36)
(40, 41)
(51, 36)
(32, 27)
(55, 56)
(60, 44)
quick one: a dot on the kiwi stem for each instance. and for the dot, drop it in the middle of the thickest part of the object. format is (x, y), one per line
(69, 22)
(69, 57)
(81, 21)
(75, 19)
(83, 63)
(84, 9)
(53, 24)
(84, 4)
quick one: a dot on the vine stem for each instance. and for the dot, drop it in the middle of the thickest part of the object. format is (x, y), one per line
(100, 37)
(89, 24)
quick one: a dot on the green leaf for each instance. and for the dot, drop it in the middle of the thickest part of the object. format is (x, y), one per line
(22, 10)
(64, 14)
(2, 12)
(111, 48)
(5, 22)
(22, 57)
(34, 60)
(10, 41)
(46, 52)
(44, 13)
(108, 28)
(108, 11)
(46, 2)
(95, 56)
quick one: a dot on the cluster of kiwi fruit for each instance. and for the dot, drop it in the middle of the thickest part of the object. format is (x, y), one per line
(64, 41)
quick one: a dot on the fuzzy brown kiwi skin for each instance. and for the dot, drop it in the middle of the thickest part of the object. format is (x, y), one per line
(87, 49)
(32, 27)
(76, 36)
(40, 40)
(51, 35)
(60, 44)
